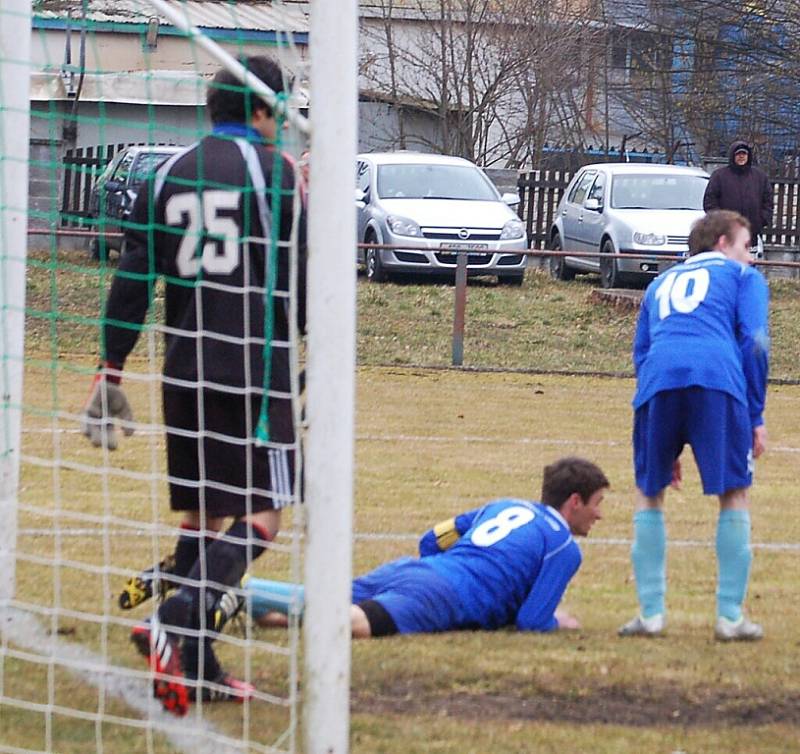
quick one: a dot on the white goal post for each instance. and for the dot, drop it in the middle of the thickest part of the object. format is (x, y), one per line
(15, 46)
(331, 374)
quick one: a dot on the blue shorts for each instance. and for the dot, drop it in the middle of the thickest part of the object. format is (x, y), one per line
(416, 597)
(714, 423)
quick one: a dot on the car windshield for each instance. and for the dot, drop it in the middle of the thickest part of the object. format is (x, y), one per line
(145, 164)
(434, 182)
(643, 191)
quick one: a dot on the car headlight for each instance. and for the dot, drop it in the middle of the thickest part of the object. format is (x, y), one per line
(403, 226)
(512, 229)
(649, 239)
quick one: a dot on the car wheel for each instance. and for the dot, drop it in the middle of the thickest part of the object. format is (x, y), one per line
(559, 269)
(515, 280)
(372, 261)
(610, 276)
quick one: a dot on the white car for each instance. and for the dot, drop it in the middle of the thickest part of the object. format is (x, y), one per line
(626, 208)
(433, 206)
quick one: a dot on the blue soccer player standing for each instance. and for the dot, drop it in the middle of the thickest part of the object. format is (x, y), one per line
(507, 563)
(701, 355)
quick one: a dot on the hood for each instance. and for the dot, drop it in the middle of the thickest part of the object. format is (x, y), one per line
(666, 222)
(451, 213)
(738, 144)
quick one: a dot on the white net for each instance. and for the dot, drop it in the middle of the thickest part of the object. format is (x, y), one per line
(115, 89)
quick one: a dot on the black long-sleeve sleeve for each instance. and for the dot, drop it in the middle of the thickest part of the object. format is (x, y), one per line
(132, 288)
(711, 196)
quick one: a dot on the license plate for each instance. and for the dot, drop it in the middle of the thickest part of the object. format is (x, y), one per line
(464, 246)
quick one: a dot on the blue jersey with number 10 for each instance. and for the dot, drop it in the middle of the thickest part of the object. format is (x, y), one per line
(510, 565)
(703, 323)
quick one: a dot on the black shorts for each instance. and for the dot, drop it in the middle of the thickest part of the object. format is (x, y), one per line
(221, 470)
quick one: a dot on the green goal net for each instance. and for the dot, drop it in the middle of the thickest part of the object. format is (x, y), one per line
(97, 107)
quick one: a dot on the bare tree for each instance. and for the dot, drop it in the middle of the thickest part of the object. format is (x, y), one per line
(705, 71)
(504, 76)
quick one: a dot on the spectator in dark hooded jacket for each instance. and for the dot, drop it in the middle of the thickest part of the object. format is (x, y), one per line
(741, 187)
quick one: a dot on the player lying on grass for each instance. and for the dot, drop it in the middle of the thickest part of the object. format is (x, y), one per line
(701, 354)
(506, 563)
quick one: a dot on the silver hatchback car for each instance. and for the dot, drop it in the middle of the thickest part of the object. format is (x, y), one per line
(626, 208)
(431, 206)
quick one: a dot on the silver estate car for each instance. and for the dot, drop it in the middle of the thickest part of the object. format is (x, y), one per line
(432, 206)
(626, 207)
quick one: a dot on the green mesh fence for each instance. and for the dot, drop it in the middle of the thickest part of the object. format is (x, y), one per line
(116, 90)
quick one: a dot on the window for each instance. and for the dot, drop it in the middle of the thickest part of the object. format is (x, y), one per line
(410, 181)
(124, 167)
(650, 57)
(643, 191)
(598, 189)
(582, 187)
(146, 163)
(362, 176)
(109, 169)
(619, 56)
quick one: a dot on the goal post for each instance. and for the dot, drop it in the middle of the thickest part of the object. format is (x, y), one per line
(331, 374)
(15, 42)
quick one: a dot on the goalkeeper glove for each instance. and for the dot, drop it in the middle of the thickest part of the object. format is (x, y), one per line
(106, 403)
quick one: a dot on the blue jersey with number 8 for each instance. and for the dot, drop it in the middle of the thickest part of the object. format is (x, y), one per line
(511, 565)
(703, 323)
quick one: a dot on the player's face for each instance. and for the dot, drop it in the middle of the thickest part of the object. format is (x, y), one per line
(265, 124)
(737, 247)
(585, 514)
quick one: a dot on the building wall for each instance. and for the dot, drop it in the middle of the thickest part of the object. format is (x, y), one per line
(379, 128)
(125, 51)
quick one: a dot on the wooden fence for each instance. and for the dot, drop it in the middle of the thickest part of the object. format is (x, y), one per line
(784, 230)
(82, 166)
(540, 192)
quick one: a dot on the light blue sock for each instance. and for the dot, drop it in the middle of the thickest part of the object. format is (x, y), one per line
(733, 562)
(266, 596)
(649, 555)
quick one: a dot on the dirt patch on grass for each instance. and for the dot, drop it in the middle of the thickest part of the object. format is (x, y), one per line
(642, 706)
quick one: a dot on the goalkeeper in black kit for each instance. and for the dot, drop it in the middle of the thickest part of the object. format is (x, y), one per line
(205, 223)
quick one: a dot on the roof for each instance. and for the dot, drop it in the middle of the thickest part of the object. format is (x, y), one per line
(153, 148)
(412, 158)
(644, 167)
(264, 16)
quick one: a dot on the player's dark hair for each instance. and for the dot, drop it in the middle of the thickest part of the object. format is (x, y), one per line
(568, 475)
(229, 101)
(709, 229)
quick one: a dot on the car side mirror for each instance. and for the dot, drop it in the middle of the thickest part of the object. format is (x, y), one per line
(593, 205)
(112, 186)
(361, 198)
(510, 198)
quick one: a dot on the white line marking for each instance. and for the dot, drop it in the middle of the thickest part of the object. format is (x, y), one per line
(402, 537)
(482, 439)
(369, 437)
(193, 735)
(622, 542)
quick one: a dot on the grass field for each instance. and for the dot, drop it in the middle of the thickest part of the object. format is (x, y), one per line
(430, 443)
